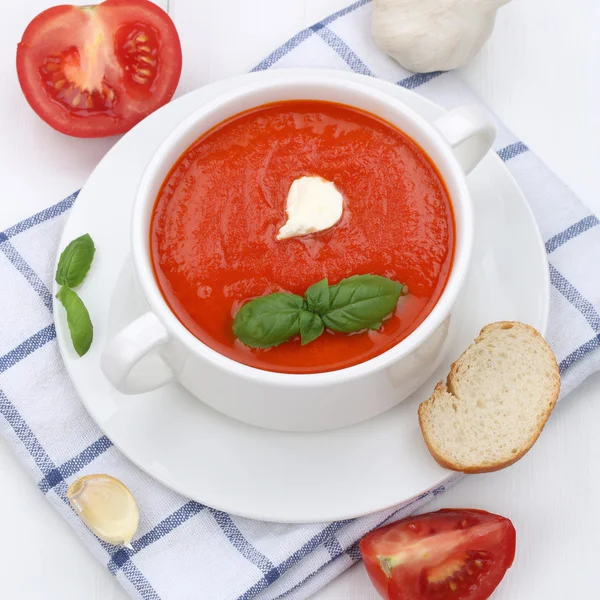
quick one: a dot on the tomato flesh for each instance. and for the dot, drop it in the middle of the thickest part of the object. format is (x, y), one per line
(137, 52)
(60, 76)
(95, 71)
(456, 554)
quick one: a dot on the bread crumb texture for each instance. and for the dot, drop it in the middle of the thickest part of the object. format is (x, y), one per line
(495, 401)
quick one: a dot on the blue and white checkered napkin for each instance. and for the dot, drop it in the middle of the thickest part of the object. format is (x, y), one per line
(185, 550)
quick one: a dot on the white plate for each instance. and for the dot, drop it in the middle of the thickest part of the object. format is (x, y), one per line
(270, 475)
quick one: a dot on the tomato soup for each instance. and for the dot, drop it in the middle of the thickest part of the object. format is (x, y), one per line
(213, 233)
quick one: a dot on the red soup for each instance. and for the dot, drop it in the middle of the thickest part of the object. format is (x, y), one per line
(214, 227)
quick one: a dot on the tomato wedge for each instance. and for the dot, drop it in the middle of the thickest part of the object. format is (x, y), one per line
(95, 71)
(453, 554)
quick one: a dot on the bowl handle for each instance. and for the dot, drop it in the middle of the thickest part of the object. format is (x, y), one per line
(128, 349)
(469, 132)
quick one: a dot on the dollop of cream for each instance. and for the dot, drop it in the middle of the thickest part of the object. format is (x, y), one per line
(313, 204)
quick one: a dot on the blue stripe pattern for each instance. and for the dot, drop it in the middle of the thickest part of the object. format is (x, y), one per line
(580, 353)
(46, 466)
(303, 35)
(283, 50)
(353, 551)
(52, 477)
(23, 432)
(24, 349)
(323, 536)
(418, 79)
(28, 273)
(334, 548)
(310, 546)
(247, 550)
(139, 582)
(181, 515)
(342, 50)
(571, 232)
(48, 213)
(584, 306)
(74, 465)
(513, 150)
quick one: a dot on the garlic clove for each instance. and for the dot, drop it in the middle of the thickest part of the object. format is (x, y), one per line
(106, 506)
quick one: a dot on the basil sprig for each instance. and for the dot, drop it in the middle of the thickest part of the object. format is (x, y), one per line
(356, 303)
(73, 265)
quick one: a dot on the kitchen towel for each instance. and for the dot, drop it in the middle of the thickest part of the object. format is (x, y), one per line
(185, 550)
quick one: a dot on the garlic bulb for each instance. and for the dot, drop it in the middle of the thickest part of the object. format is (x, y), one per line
(433, 35)
(106, 506)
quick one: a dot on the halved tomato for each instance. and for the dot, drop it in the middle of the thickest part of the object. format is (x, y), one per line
(453, 554)
(94, 71)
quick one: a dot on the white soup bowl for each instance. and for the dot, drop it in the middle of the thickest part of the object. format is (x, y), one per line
(298, 402)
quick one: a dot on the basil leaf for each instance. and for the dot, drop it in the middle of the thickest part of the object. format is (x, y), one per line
(78, 319)
(269, 320)
(317, 297)
(358, 302)
(361, 302)
(75, 261)
(311, 327)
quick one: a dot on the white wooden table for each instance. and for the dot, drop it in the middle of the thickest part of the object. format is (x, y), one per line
(540, 72)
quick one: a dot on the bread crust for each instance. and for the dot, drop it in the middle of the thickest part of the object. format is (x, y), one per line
(443, 387)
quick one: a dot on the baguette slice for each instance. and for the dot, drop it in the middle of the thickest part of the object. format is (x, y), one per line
(495, 401)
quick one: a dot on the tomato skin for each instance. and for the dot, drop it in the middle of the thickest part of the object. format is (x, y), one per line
(74, 72)
(452, 554)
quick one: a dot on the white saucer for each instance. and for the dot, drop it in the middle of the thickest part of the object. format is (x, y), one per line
(270, 475)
